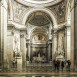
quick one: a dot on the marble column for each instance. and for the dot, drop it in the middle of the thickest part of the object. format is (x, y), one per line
(49, 50)
(68, 29)
(68, 43)
(65, 43)
(72, 36)
(75, 34)
(29, 49)
(54, 46)
(3, 33)
(23, 47)
(0, 39)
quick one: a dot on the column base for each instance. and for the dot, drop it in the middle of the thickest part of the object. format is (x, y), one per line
(19, 63)
(60, 57)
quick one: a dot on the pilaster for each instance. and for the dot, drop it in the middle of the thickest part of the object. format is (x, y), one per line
(23, 46)
(3, 35)
(75, 34)
(10, 37)
(68, 30)
(54, 45)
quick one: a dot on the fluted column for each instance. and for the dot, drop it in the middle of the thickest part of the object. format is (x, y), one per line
(3, 33)
(68, 43)
(68, 30)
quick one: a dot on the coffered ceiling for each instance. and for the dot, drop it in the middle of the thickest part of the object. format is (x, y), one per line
(39, 19)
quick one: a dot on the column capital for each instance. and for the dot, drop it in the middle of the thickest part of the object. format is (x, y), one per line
(28, 41)
(22, 34)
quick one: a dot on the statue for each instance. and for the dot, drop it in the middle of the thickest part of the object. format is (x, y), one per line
(61, 52)
(17, 52)
(60, 55)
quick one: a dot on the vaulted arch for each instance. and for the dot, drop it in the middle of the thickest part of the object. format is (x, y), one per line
(49, 12)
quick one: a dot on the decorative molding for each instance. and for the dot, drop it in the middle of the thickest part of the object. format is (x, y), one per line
(16, 25)
(38, 3)
(60, 26)
(46, 10)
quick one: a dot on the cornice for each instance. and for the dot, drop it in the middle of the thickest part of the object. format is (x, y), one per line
(60, 26)
(16, 25)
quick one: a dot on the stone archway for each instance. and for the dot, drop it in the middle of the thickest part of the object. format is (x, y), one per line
(49, 12)
(44, 10)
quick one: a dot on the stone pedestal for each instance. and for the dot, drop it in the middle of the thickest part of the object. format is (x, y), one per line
(60, 57)
(19, 63)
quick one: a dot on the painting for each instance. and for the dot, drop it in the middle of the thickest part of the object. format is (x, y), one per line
(60, 11)
(18, 10)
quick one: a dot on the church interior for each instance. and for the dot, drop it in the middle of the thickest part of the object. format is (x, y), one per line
(35, 34)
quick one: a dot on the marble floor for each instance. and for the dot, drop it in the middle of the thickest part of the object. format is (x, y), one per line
(53, 74)
(37, 71)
